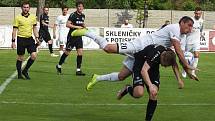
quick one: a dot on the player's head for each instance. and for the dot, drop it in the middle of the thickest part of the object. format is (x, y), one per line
(46, 10)
(167, 22)
(25, 7)
(198, 13)
(186, 24)
(64, 9)
(126, 21)
(79, 6)
(168, 58)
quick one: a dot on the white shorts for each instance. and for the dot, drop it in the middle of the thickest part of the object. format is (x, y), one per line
(62, 38)
(129, 63)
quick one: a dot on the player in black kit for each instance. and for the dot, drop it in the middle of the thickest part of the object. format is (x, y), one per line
(44, 30)
(75, 21)
(146, 72)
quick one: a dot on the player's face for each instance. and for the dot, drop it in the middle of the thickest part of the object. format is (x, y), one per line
(25, 8)
(46, 11)
(186, 27)
(80, 8)
(65, 11)
(197, 14)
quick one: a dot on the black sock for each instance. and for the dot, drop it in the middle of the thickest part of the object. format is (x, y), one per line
(50, 48)
(62, 59)
(130, 90)
(19, 67)
(79, 61)
(152, 104)
(28, 65)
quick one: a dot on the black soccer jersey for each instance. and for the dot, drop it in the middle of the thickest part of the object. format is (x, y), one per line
(44, 18)
(77, 20)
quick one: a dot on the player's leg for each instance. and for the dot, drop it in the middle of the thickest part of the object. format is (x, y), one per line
(79, 49)
(115, 76)
(196, 49)
(151, 106)
(69, 46)
(31, 48)
(121, 48)
(20, 56)
(62, 41)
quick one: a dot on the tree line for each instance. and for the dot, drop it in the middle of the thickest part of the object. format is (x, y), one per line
(208, 5)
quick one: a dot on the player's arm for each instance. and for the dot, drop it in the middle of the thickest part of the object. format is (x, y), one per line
(54, 31)
(181, 57)
(177, 75)
(13, 45)
(145, 75)
(36, 34)
(69, 24)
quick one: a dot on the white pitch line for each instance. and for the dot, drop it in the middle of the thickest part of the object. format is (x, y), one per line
(8, 80)
(107, 104)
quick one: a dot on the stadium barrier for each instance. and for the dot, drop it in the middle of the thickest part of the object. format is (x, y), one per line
(112, 35)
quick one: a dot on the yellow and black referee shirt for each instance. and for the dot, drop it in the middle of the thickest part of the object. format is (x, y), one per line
(25, 25)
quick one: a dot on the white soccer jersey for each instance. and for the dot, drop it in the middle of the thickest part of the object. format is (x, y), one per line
(61, 22)
(127, 26)
(63, 30)
(161, 37)
(194, 36)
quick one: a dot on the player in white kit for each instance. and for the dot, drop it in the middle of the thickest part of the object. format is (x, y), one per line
(192, 42)
(168, 36)
(62, 29)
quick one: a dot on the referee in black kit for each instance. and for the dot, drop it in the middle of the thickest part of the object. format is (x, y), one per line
(75, 21)
(23, 25)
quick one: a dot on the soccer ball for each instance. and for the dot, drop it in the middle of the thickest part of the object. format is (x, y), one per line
(189, 57)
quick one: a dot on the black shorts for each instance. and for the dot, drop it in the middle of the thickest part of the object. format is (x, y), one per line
(44, 35)
(74, 42)
(25, 43)
(153, 72)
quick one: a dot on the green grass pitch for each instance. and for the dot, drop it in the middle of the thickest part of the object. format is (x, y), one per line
(51, 97)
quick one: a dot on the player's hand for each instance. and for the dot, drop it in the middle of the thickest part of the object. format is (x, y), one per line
(153, 90)
(180, 84)
(13, 45)
(38, 42)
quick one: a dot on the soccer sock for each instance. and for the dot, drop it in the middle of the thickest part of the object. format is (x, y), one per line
(130, 90)
(79, 61)
(29, 63)
(50, 48)
(19, 67)
(62, 59)
(98, 39)
(152, 104)
(195, 63)
(108, 77)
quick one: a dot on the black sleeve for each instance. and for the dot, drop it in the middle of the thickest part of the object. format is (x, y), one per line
(71, 17)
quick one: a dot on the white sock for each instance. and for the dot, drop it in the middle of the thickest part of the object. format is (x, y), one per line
(108, 77)
(78, 69)
(98, 39)
(59, 66)
(195, 63)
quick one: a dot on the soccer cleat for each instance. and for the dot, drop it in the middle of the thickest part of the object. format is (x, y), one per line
(58, 69)
(92, 82)
(20, 77)
(122, 92)
(79, 32)
(25, 73)
(54, 55)
(80, 73)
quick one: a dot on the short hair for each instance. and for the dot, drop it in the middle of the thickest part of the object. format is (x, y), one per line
(185, 19)
(25, 3)
(78, 3)
(169, 57)
(63, 7)
(45, 7)
(198, 9)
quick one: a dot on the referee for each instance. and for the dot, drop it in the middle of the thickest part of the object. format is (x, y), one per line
(23, 25)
